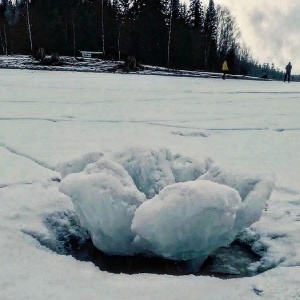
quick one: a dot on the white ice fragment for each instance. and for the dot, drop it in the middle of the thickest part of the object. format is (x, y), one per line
(149, 169)
(254, 190)
(185, 168)
(187, 220)
(77, 165)
(105, 199)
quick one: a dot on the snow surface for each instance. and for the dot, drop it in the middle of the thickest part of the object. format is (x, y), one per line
(49, 118)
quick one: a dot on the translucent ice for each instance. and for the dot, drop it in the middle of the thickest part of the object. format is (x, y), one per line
(187, 220)
(105, 199)
(193, 208)
(254, 192)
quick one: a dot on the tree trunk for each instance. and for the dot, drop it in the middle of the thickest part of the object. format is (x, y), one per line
(29, 25)
(5, 39)
(170, 32)
(74, 36)
(40, 55)
(207, 51)
(102, 27)
(2, 44)
(119, 38)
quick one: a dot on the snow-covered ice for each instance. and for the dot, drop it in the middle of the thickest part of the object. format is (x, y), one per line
(50, 118)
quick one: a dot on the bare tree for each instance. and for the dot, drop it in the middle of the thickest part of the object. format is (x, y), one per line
(227, 31)
(2, 44)
(120, 13)
(24, 12)
(102, 27)
(74, 34)
(170, 31)
(119, 39)
(29, 25)
(5, 39)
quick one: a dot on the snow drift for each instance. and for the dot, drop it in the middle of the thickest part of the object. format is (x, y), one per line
(155, 203)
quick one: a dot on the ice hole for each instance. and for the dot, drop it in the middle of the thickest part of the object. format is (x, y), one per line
(67, 237)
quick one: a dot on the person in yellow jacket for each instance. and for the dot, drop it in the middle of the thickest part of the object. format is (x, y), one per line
(225, 69)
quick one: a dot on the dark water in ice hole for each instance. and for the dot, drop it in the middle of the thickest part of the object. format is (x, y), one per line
(228, 262)
(71, 239)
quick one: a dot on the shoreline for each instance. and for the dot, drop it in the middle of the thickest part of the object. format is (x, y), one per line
(70, 64)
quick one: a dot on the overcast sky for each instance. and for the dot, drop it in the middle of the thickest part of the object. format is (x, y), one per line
(270, 28)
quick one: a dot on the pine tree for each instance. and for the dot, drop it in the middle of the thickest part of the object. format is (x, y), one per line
(123, 13)
(210, 29)
(149, 32)
(176, 9)
(179, 36)
(196, 15)
(196, 22)
(3, 23)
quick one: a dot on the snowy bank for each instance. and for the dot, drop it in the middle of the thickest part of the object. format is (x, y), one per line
(104, 66)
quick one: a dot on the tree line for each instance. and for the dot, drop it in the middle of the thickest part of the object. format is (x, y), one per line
(166, 33)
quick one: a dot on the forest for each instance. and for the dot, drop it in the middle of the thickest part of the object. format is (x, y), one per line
(167, 33)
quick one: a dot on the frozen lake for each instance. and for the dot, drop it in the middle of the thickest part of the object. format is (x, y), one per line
(48, 118)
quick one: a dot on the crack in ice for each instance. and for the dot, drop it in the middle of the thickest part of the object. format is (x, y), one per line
(37, 161)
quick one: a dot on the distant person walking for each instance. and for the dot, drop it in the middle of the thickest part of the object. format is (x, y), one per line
(288, 70)
(225, 69)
